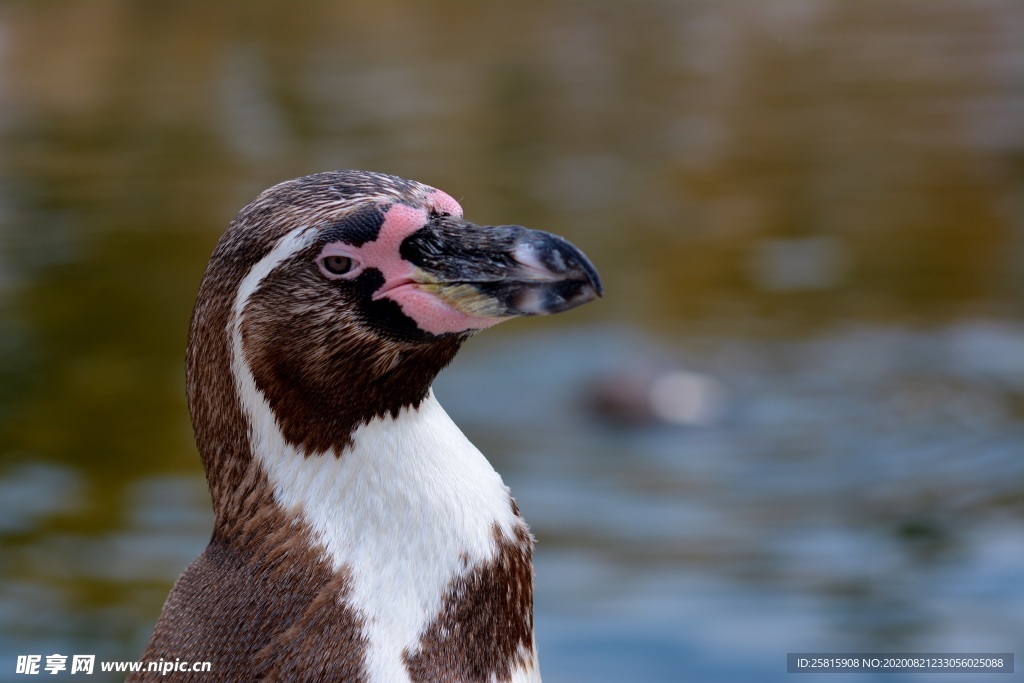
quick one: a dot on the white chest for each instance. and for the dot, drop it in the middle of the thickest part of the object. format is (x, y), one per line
(409, 508)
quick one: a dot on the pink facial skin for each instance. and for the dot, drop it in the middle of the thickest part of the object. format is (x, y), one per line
(430, 313)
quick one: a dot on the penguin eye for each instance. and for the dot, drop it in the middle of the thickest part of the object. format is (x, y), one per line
(337, 265)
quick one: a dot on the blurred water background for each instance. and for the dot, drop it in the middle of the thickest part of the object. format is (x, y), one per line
(795, 423)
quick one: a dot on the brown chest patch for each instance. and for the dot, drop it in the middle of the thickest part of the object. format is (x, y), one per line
(260, 605)
(485, 626)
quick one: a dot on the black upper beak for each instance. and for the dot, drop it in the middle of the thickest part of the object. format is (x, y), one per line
(500, 271)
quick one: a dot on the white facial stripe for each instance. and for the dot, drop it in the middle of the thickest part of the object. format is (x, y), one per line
(286, 247)
(408, 508)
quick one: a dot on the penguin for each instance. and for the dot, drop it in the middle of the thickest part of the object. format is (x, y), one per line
(358, 536)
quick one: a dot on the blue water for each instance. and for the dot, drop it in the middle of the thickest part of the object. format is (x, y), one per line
(856, 495)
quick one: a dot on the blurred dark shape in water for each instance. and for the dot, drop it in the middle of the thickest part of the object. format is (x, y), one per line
(647, 396)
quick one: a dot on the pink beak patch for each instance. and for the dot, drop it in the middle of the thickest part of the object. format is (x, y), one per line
(430, 314)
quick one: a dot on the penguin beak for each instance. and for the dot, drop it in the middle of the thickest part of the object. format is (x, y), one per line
(499, 271)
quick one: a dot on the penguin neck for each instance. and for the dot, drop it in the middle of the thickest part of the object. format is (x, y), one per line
(411, 484)
(411, 490)
(239, 435)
